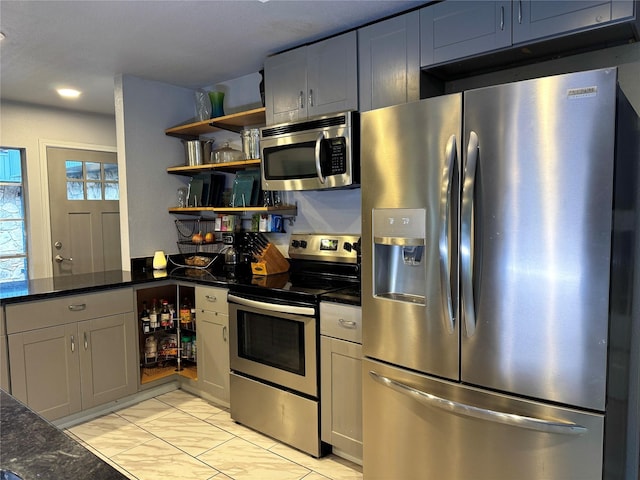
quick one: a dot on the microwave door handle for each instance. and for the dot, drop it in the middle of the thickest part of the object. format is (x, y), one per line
(445, 226)
(318, 166)
(466, 240)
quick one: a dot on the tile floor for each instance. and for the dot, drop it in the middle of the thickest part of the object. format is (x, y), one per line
(178, 435)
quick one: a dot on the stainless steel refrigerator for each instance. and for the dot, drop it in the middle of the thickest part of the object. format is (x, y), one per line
(500, 325)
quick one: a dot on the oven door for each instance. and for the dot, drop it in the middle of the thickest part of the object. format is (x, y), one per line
(274, 343)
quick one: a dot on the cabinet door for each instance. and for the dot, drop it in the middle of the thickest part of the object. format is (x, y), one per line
(332, 75)
(389, 62)
(457, 29)
(108, 366)
(341, 402)
(285, 84)
(213, 355)
(45, 372)
(535, 19)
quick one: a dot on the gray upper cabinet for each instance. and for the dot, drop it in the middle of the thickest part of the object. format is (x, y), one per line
(539, 19)
(388, 62)
(312, 80)
(453, 30)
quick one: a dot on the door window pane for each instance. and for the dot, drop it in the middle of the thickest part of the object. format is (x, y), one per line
(75, 191)
(111, 172)
(111, 191)
(74, 170)
(94, 191)
(93, 171)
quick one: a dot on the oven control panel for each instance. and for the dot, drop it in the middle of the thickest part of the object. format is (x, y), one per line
(329, 247)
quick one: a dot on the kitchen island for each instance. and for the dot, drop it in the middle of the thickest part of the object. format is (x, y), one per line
(31, 447)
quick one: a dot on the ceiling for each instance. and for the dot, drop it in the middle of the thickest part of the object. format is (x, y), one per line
(85, 44)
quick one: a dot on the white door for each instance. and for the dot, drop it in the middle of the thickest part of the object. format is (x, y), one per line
(85, 211)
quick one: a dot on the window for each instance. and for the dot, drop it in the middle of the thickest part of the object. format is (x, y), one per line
(13, 237)
(92, 180)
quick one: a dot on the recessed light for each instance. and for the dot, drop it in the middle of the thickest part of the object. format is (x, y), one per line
(2, 36)
(68, 92)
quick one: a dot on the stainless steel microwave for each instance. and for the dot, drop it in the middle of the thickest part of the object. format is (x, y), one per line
(314, 154)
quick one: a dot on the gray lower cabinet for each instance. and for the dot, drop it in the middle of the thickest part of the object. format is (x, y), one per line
(389, 62)
(341, 379)
(312, 80)
(72, 353)
(453, 30)
(212, 319)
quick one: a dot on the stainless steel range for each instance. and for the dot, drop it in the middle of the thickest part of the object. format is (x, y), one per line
(274, 339)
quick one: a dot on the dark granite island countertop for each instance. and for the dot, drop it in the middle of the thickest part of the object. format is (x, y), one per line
(33, 448)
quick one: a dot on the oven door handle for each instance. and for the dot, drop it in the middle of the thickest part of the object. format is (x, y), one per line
(272, 307)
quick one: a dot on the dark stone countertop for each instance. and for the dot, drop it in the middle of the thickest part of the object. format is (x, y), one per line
(33, 448)
(141, 273)
(47, 288)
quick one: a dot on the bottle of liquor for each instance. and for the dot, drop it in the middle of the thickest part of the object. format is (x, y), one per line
(154, 315)
(185, 313)
(144, 318)
(165, 315)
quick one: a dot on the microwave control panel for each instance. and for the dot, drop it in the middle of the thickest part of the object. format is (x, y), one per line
(334, 156)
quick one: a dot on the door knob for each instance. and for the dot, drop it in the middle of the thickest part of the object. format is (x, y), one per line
(59, 258)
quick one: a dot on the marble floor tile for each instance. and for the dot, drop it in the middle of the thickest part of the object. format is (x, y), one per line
(111, 434)
(242, 460)
(158, 459)
(190, 403)
(331, 466)
(145, 411)
(223, 421)
(188, 433)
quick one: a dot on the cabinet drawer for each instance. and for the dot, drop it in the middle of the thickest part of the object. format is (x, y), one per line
(341, 321)
(72, 308)
(212, 299)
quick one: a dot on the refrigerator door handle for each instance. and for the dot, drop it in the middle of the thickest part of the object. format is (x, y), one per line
(445, 226)
(466, 243)
(512, 419)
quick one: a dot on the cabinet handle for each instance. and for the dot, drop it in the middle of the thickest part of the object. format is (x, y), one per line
(211, 298)
(224, 333)
(520, 11)
(78, 307)
(301, 98)
(501, 18)
(73, 344)
(311, 97)
(86, 342)
(347, 323)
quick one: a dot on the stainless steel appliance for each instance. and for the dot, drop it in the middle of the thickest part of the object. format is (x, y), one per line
(274, 339)
(499, 243)
(313, 154)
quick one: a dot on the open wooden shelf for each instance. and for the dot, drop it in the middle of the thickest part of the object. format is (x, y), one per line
(281, 210)
(230, 167)
(235, 122)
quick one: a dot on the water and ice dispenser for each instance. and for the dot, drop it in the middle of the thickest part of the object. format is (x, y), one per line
(399, 237)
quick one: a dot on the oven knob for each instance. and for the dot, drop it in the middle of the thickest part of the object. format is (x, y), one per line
(295, 243)
(347, 246)
(303, 243)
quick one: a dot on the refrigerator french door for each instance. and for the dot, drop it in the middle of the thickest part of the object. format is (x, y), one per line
(487, 252)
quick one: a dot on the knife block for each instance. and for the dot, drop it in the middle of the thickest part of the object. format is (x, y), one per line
(270, 261)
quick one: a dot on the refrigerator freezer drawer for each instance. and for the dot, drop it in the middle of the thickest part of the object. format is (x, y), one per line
(420, 427)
